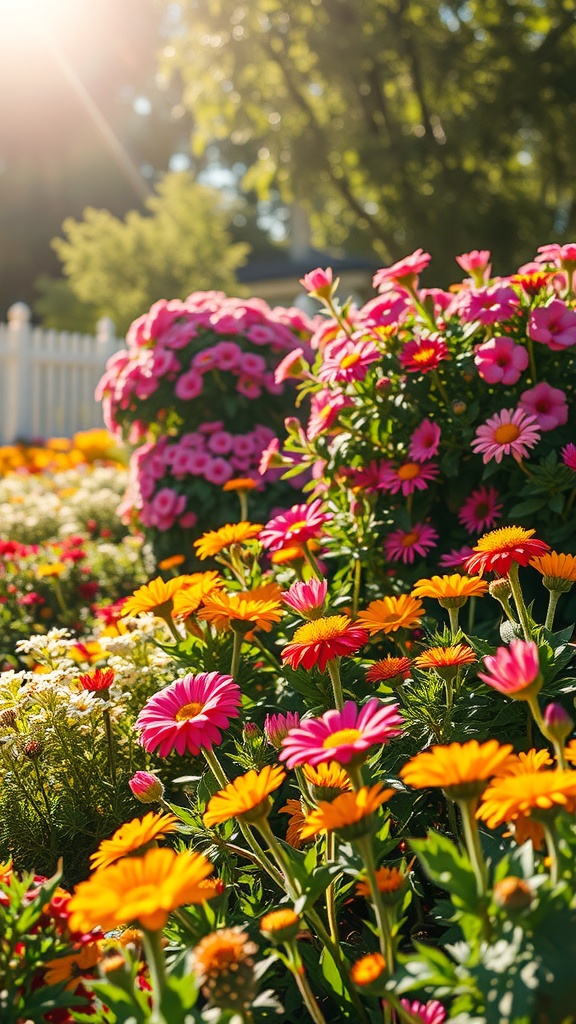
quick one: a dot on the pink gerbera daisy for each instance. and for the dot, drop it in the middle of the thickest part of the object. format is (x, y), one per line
(307, 598)
(403, 274)
(299, 524)
(455, 559)
(319, 641)
(569, 456)
(431, 1012)
(342, 735)
(509, 432)
(404, 545)
(408, 477)
(547, 404)
(423, 354)
(324, 409)
(480, 511)
(189, 714)
(425, 441)
(513, 670)
(347, 360)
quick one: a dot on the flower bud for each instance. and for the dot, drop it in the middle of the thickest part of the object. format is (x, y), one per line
(146, 788)
(513, 893)
(280, 925)
(557, 722)
(459, 407)
(277, 727)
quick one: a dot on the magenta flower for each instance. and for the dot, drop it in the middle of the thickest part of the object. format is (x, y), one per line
(431, 1012)
(509, 432)
(477, 264)
(563, 256)
(146, 787)
(189, 714)
(324, 409)
(403, 274)
(408, 477)
(488, 305)
(318, 282)
(425, 441)
(404, 545)
(480, 511)
(342, 736)
(501, 361)
(307, 598)
(423, 354)
(569, 456)
(513, 669)
(547, 404)
(347, 360)
(455, 559)
(553, 325)
(291, 367)
(277, 727)
(299, 524)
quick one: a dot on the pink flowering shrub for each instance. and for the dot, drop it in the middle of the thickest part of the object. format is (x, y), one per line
(196, 396)
(437, 415)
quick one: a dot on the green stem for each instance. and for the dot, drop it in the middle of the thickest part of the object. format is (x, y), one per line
(471, 613)
(519, 601)
(364, 845)
(334, 672)
(552, 847)
(336, 952)
(215, 767)
(330, 894)
(552, 602)
(110, 742)
(157, 967)
(59, 596)
(356, 587)
(530, 347)
(472, 841)
(236, 651)
(168, 620)
(299, 974)
(453, 616)
(243, 499)
(452, 819)
(354, 773)
(311, 561)
(290, 884)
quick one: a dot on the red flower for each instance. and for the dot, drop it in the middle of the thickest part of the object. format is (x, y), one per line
(100, 679)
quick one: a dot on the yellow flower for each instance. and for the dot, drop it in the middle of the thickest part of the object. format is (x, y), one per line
(525, 763)
(451, 591)
(296, 821)
(280, 925)
(510, 797)
(188, 599)
(389, 614)
(460, 769)
(570, 752)
(246, 797)
(156, 596)
(214, 541)
(227, 952)
(559, 571)
(55, 569)
(132, 836)
(70, 968)
(368, 969)
(348, 814)
(139, 889)
(445, 657)
(260, 608)
(327, 780)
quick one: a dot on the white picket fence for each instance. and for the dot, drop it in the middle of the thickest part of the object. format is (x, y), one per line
(48, 377)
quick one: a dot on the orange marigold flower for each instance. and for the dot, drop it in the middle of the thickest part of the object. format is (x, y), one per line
(200, 585)
(155, 596)
(446, 657)
(70, 968)
(368, 969)
(349, 814)
(526, 762)
(327, 780)
(389, 669)
(214, 541)
(280, 925)
(259, 608)
(296, 822)
(388, 880)
(293, 553)
(223, 963)
(171, 562)
(510, 797)
(460, 769)
(498, 550)
(246, 797)
(570, 752)
(451, 591)
(132, 836)
(241, 483)
(558, 571)
(388, 614)
(319, 641)
(139, 889)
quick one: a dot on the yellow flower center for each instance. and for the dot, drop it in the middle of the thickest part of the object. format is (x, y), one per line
(350, 360)
(506, 433)
(503, 538)
(409, 538)
(328, 628)
(342, 737)
(409, 471)
(298, 526)
(423, 355)
(189, 711)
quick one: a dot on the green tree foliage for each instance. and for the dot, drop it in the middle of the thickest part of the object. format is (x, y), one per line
(402, 123)
(118, 268)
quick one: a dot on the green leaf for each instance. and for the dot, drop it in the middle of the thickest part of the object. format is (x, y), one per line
(448, 868)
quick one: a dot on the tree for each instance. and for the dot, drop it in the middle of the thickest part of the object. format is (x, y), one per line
(402, 123)
(118, 268)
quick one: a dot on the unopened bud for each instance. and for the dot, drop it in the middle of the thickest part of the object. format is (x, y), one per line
(500, 589)
(32, 749)
(513, 893)
(459, 407)
(146, 787)
(557, 722)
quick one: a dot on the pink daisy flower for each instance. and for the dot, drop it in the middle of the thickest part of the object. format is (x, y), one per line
(342, 736)
(322, 640)
(561, 255)
(189, 714)
(480, 511)
(501, 361)
(423, 354)
(318, 282)
(455, 559)
(512, 669)
(553, 325)
(477, 264)
(403, 274)
(277, 727)
(324, 409)
(307, 599)
(299, 524)
(404, 545)
(347, 360)
(509, 432)
(569, 456)
(425, 441)
(547, 404)
(408, 477)
(431, 1012)
(368, 479)
(488, 305)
